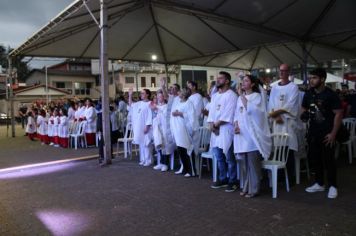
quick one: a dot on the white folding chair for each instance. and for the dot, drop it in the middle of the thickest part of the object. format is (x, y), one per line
(209, 155)
(126, 140)
(350, 124)
(79, 136)
(278, 161)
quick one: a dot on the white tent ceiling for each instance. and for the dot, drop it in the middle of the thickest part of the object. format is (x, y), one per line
(226, 33)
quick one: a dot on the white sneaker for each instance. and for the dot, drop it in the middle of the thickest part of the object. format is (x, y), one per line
(164, 168)
(157, 167)
(187, 175)
(141, 163)
(315, 188)
(332, 192)
(147, 163)
(51, 144)
(180, 171)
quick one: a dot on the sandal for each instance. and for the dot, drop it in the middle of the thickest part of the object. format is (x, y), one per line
(252, 195)
(243, 193)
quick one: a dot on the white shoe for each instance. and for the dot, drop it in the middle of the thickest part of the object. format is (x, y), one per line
(180, 171)
(187, 175)
(51, 144)
(157, 167)
(332, 192)
(141, 163)
(56, 145)
(315, 188)
(164, 168)
(148, 163)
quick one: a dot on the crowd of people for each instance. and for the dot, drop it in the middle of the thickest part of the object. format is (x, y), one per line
(241, 120)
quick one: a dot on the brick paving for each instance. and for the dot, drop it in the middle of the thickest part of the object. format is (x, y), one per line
(82, 198)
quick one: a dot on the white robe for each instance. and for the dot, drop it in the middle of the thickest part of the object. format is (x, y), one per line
(222, 108)
(50, 126)
(141, 115)
(63, 127)
(71, 113)
(79, 113)
(41, 125)
(198, 104)
(183, 128)
(162, 135)
(114, 120)
(90, 116)
(31, 125)
(286, 97)
(55, 126)
(254, 128)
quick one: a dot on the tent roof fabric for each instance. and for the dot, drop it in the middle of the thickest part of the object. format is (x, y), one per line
(226, 33)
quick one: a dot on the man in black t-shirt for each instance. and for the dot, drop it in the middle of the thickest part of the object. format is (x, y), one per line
(322, 108)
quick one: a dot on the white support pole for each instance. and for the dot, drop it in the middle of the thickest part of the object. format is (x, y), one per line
(46, 74)
(11, 96)
(105, 81)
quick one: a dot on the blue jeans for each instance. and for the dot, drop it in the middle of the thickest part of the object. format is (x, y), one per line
(231, 165)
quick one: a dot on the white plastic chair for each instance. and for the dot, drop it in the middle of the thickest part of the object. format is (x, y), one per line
(278, 161)
(78, 136)
(209, 155)
(126, 140)
(350, 124)
(204, 140)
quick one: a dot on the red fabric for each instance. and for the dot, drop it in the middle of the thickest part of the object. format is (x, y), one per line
(56, 140)
(64, 142)
(31, 136)
(90, 138)
(45, 139)
(50, 139)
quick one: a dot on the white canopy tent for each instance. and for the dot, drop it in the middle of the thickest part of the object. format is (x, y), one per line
(226, 33)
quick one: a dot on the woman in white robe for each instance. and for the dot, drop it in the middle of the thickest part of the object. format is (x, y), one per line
(50, 127)
(42, 125)
(162, 136)
(31, 126)
(183, 126)
(141, 117)
(252, 135)
(90, 127)
(63, 128)
(55, 127)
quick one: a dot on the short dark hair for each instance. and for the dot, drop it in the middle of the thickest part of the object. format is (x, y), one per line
(194, 84)
(177, 85)
(320, 72)
(148, 92)
(226, 75)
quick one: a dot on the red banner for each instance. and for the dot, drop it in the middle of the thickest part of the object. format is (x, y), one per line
(350, 76)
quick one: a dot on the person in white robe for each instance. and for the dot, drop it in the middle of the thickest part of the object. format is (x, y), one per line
(162, 135)
(50, 127)
(71, 111)
(197, 101)
(63, 129)
(283, 109)
(31, 126)
(184, 125)
(141, 117)
(252, 137)
(220, 119)
(90, 127)
(79, 112)
(42, 125)
(55, 127)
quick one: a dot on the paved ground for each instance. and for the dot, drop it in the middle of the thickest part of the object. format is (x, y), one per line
(82, 198)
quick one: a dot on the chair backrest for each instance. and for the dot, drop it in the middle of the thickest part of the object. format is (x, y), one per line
(280, 147)
(128, 131)
(81, 128)
(72, 127)
(204, 138)
(350, 124)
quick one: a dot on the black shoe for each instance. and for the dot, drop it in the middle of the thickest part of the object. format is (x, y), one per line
(219, 184)
(231, 188)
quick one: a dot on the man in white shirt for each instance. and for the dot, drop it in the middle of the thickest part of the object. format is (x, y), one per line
(220, 119)
(283, 108)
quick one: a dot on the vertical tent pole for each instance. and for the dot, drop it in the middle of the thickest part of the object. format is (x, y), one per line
(105, 81)
(11, 95)
(305, 64)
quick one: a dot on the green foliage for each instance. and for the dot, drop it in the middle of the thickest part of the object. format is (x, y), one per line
(22, 68)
